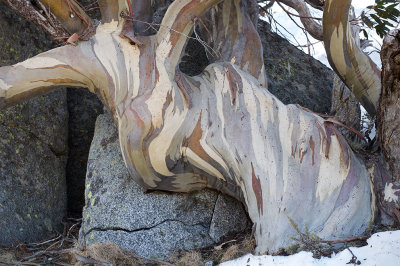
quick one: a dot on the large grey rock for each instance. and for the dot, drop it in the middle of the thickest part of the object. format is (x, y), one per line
(33, 146)
(152, 224)
(293, 76)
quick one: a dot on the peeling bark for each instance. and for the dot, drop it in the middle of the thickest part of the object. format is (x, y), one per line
(221, 129)
(389, 108)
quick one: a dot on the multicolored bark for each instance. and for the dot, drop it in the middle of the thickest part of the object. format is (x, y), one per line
(221, 129)
(356, 69)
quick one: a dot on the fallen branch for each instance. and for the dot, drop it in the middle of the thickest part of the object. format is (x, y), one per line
(346, 240)
(330, 118)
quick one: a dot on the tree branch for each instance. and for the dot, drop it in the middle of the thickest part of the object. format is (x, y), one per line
(355, 68)
(70, 14)
(111, 9)
(176, 27)
(48, 22)
(317, 4)
(312, 27)
(234, 35)
(74, 66)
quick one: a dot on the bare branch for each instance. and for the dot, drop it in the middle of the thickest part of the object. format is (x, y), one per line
(317, 4)
(312, 27)
(177, 25)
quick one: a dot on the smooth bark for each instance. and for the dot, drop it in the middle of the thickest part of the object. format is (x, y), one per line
(221, 129)
(355, 68)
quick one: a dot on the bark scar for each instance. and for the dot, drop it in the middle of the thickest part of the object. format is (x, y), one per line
(257, 191)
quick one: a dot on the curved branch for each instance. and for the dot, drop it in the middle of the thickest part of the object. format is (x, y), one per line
(355, 68)
(64, 66)
(312, 27)
(176, 27)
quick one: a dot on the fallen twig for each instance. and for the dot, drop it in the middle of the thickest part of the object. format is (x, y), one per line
(90, 260)
(19, 263)
(48, 252)
(330, 118)
(219, 247)
(346, 240)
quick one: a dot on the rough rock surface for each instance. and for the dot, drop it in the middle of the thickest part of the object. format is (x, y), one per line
(152, 224)
(33, 146)
(293, 76)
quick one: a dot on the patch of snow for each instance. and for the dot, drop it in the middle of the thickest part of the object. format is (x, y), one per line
(390, 193)
(382, 249)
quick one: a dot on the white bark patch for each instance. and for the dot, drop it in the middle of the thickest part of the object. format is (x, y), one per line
(3, 86)
(220, 85)
(332, 172)
(336, 49)
(159, 146)
(390, 195)
(105, 51)
(40, 62)
(131, 56)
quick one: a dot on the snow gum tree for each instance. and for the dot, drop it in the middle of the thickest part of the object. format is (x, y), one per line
(221, 129)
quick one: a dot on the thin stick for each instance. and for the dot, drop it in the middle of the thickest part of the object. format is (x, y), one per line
(346, 240)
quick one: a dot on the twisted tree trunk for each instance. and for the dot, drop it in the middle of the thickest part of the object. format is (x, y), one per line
(221, 129)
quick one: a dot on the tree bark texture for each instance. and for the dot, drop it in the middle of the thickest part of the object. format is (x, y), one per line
(221, 129)
(389, 120)
(354, 67)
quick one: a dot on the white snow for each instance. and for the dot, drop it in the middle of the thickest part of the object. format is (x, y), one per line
(382, 249)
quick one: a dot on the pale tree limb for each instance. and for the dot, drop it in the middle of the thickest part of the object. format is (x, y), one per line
(74, 66)
(352, 65)
(177, 26)
(312, 27)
